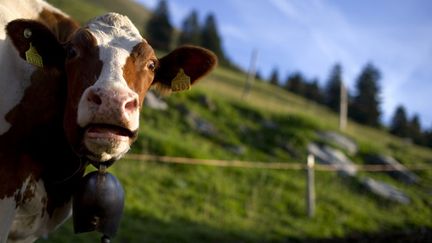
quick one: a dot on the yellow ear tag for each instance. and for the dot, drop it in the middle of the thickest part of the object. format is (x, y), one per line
(33, 57)
(181, 82)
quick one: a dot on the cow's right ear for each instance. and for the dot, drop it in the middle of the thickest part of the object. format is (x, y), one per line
(35, 43)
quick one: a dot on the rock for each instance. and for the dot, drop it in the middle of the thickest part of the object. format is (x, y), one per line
(152, 101)
(291, 150)
(339, 141)
(204, 127)
(334, 157)
(268, 124)
(206, 102)
(385, 191)
(236, 149)
(400, 171)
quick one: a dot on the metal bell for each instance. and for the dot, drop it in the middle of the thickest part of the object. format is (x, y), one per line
(98, 204)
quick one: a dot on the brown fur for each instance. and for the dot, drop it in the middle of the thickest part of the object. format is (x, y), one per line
(136, 71)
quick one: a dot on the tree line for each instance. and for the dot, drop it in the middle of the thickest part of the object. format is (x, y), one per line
(364, 104)
(162, 35)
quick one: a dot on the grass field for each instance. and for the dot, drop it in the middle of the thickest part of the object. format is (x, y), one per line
(185, 203)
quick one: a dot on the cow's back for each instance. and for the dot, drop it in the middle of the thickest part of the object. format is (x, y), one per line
(15, 72)
(32, 148)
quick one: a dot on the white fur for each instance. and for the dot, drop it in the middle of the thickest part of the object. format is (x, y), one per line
(15, 72)
(116, 37)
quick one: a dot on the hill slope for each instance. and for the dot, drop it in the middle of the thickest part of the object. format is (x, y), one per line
(183, 203)
(180, 203)
(84, 10)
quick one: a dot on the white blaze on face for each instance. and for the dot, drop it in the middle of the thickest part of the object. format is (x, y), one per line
(116, 37)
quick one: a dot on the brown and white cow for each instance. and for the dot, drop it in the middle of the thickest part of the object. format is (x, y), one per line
(78, 102)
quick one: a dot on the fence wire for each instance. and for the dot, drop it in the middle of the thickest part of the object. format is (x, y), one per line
(266, 165)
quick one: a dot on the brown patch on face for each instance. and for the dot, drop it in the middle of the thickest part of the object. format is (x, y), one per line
(83, 68)
(139, 69)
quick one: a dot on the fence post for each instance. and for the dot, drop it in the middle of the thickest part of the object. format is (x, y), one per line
(343, 107)
(310, 193)
(250, 75)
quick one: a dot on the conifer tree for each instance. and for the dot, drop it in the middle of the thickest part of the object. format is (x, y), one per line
(314, 92)
(159, 28)
(332, 89)
(274, 77)
(365, 106)
(399, 122)
(210, 38)
(191, 31)
(415, 131)
(296, 83)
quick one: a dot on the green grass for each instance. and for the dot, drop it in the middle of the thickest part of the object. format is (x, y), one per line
(184, 203)
(84, 10)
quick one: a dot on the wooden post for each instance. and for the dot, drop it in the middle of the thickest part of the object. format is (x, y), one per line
(251, 74)
(310, 194)
(343, 108)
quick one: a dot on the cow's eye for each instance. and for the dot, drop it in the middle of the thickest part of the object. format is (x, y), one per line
(151, 65)
(71, 52)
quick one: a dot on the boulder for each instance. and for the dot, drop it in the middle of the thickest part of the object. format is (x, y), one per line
(385, 191)
(339, 141)
(151, 100)
(206, 102)
(197, 123)
(334, 157)
(400, 172)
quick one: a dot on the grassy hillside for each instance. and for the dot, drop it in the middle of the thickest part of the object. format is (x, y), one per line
(84, 10)
(181, 203)
(185, 203)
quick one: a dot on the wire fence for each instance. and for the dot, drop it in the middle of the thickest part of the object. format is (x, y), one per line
(267, 165)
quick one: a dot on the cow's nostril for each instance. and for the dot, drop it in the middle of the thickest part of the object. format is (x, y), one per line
(94, 98)
(131, 105)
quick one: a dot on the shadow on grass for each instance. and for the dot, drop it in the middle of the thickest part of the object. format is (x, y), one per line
(416, 235)
(136, 227)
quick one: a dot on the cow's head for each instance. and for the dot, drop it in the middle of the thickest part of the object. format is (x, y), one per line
(109, 69)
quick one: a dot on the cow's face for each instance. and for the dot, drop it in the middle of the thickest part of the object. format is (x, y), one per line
(109, 68)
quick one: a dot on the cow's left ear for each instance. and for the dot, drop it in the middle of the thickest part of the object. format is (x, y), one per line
(35, 43)
(181, 68)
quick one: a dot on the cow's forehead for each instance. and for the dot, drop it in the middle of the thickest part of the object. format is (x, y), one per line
(115, 30)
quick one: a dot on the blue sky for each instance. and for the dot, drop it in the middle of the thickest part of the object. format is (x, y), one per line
(312, 35)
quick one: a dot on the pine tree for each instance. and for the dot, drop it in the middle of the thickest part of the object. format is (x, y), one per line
(191, 31)
(296, 83)
(274, 77)
(428, 137)
(415, 131)
(159, 28)
(258, 75)
(332, 89)
(210, 38)
(366, 102)
(399, 122)
(314, 92)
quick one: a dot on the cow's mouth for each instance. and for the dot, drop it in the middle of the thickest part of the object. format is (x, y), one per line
(107, 131)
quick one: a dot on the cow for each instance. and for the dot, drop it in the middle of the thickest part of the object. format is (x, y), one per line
(70, 96)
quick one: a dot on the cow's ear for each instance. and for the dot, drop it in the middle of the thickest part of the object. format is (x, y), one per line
(35, 43)
(181, 68)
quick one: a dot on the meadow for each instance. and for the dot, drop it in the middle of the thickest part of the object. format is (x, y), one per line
(197, 203)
